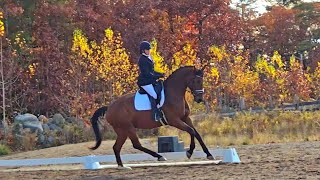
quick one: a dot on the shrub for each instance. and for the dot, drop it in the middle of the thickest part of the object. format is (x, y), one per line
(4, 150)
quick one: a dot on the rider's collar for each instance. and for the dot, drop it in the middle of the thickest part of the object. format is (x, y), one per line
(148, 56)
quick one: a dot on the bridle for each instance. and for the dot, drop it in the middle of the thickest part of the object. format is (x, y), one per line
(194, 91)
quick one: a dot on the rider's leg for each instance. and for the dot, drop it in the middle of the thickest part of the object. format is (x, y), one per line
(152, 96)
(150, 90)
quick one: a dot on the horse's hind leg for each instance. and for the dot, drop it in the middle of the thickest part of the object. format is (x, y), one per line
(197, 135)
(137, 145)
(121, 139)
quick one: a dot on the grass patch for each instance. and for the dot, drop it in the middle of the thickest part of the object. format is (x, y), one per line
(253, 128)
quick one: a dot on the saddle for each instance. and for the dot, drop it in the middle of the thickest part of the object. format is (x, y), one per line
(142, 100)
(158, 87)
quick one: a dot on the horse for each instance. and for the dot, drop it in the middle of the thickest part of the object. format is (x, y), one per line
(125, 119)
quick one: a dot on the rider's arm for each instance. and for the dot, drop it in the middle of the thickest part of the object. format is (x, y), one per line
(159, 75)
(145, 69)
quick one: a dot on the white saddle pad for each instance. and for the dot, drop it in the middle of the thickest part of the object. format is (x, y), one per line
(142, 102)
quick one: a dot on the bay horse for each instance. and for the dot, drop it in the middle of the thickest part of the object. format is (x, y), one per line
(125, 119)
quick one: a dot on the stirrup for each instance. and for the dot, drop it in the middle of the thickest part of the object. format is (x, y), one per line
(163, 119)
(157, 117)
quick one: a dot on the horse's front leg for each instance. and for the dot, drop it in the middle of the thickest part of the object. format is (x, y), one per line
(188, 121)
(178, 123)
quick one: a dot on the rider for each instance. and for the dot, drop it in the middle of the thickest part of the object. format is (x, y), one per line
(148, 77)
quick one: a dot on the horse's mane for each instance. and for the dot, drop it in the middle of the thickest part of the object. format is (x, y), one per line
(181, 69)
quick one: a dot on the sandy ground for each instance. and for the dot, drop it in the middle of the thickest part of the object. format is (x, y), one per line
(271, 161)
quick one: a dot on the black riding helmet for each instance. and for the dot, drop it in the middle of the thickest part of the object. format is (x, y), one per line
(144, 45)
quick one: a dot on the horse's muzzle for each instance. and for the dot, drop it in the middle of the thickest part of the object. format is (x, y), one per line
(198, 100)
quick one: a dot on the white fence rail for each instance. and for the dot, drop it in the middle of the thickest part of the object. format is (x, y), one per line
(92, 162)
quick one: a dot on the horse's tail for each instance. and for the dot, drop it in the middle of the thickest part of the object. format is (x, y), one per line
(94, 121)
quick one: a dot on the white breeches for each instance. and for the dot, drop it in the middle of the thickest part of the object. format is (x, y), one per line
(150, 90)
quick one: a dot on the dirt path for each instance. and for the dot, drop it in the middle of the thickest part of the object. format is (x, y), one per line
(272, 161)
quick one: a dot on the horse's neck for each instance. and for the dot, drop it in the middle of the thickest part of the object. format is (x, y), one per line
(176, 87)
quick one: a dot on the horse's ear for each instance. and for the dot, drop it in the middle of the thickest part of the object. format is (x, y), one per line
(199, 72)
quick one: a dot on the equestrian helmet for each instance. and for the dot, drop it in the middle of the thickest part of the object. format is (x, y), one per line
(144, 45)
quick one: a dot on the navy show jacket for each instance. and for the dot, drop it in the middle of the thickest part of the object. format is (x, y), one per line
(147, 74)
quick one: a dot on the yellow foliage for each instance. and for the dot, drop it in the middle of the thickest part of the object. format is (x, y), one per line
(317, 72)
(276, 59)
(80, 43)
(217, 53)
(262, 66)
(108, 34)
(316, 80)
(1, 25)
(214, 72)
(108, 61)
(32, 69)
(293, 61)
(186, 57)
(244, 81)
(159, 64)
(20, 41)
(232, 74)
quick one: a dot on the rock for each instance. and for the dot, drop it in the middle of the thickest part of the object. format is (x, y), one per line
(41, 139)
(51, 140)
(45, 127)
(58, 120)
(21, 118)
(29, 121)
(34, 126)
(17, 129)
(54, 127)
(43, 119)
(80, 124)
(71, 119)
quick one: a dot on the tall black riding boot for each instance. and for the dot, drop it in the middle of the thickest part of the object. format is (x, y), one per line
(154, 109)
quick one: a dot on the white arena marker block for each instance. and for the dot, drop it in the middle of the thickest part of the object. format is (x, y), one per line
(90, 163)
(231, 156)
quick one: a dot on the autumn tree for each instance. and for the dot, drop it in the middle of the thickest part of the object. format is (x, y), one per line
(270, 69)
(16, 52)
(297, 81)
(316, 82)
(101, 69)
(278, 30)
(44, 74)
(308, 15)
(231, 77)
(206, 22)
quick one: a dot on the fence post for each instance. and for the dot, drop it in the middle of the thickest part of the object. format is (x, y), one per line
(242, 104)
(296, 101)
(271, 104)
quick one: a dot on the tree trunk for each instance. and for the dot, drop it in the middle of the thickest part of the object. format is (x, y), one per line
(4, 122)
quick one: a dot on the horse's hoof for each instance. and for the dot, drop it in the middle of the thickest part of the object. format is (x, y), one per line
(188, 154)
(162, 159)
(124, 168)
(211, 157)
